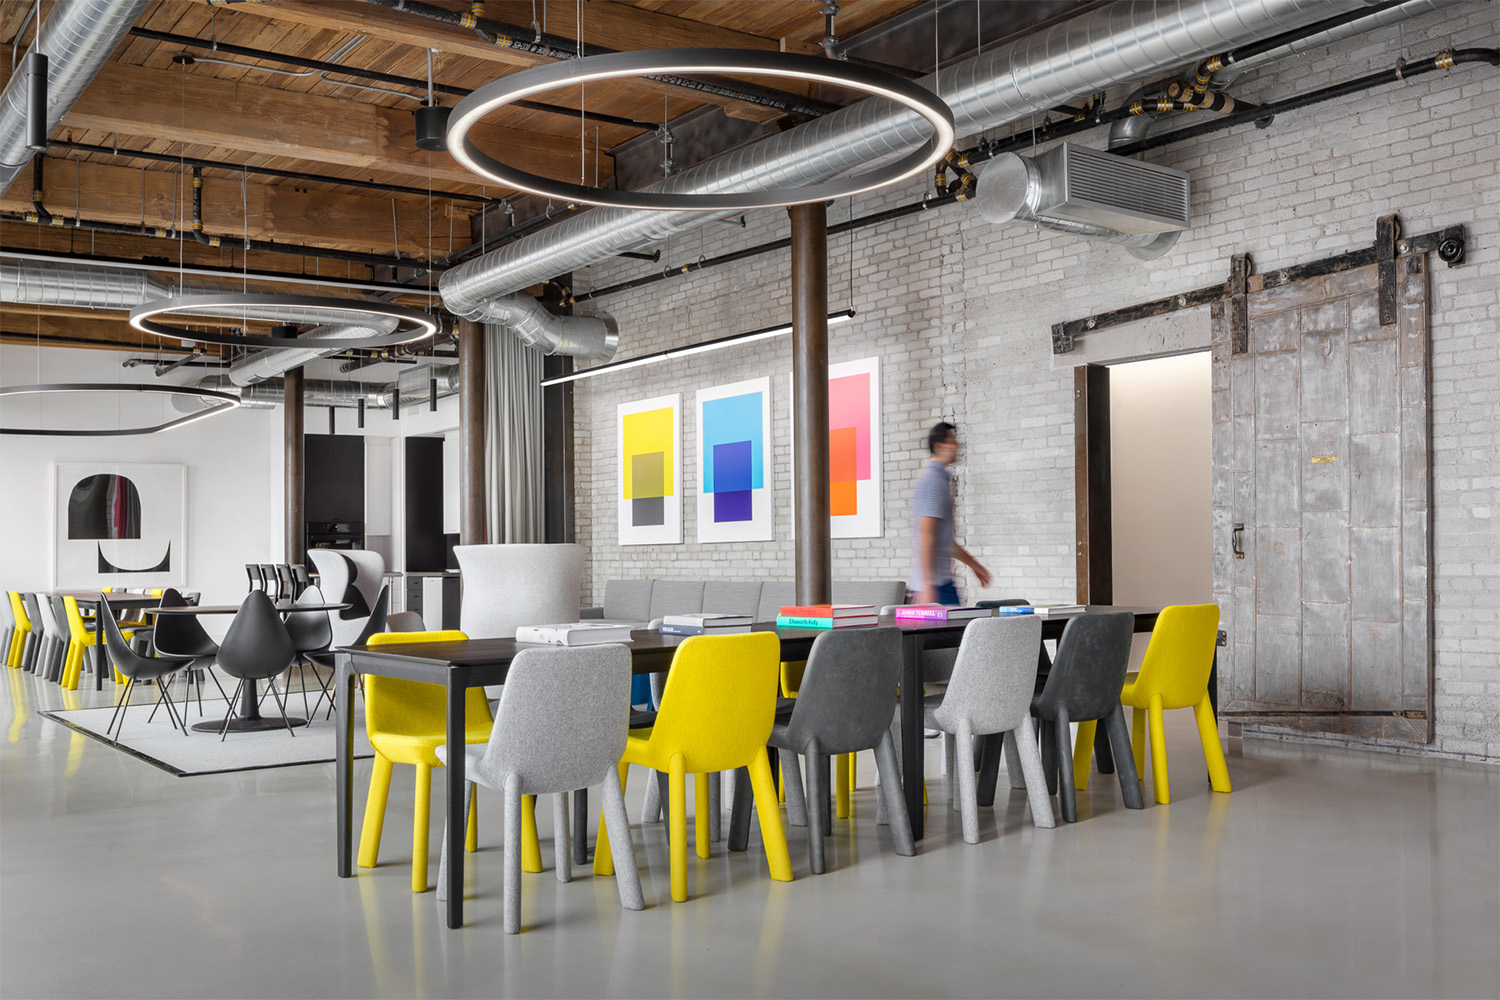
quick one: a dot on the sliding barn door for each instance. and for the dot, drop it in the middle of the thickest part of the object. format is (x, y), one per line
(1321, 504)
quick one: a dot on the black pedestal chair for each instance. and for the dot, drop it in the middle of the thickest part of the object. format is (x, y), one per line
(135, 667)
(1084, 686)
(183, 637)
(256, 648)
(844, 705)
(311, 635)
(375, 623)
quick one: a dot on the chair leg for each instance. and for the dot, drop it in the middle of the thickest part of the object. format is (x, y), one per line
(768, 809)
(663, 795)
(1067, 796)
(281, 707)
(442, 883)
(1031, 767)
(700, 815)
(229, 712)
(380, 790)
(817, 800)
(889, 774)
(562, 848)
(1049, 752)
(1103, 756)
(1213, 750)
(715, 806)
(791, 782)
(120, 709)
(841, 785)
(651, 812)
(1138, 740)
(421, 819)
(513, 848)
(989, 767)
(964, 777)
(1085, 748)
(1013, 770)
(677, 825)
(531, 846)
(603, 850)
(950, 764)
(1159, 752)
(1119, 737)
(471, 832)
(739, 813)
(627, 879)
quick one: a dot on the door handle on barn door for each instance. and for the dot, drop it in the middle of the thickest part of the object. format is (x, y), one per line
(1237, 540)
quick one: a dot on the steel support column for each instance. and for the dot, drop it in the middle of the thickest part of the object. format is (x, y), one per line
(471, 363)
(293, 475)
(814, 563)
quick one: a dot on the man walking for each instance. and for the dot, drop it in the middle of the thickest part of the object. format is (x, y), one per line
(933, 548)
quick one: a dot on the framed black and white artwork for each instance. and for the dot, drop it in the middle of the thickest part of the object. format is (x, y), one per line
(120, 525)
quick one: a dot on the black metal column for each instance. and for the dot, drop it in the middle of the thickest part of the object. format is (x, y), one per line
(814, 563)
(471, 362)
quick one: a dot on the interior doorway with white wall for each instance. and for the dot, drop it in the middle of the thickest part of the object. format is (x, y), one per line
(1161, 482)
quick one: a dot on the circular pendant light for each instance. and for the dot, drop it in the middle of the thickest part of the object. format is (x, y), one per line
(411, 324)
(686, 62)
(221, 402)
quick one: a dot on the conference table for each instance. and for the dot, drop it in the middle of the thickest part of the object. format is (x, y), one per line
(461, 664)
(247, 719)
(90, 600)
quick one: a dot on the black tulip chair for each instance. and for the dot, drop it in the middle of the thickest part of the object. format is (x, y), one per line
(183, 637)
(375, 623)
(256, 648)
(311, 634)
(135, 667)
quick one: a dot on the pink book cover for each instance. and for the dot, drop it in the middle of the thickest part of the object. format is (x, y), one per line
(924, 612)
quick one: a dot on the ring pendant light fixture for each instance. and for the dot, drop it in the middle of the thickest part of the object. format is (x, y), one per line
(221, 402)
(688, 62)
(411, 324)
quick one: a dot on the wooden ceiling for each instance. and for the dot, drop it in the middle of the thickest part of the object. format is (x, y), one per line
(258, 112)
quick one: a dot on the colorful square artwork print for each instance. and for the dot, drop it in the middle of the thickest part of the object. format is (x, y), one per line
(650, 446)
(855, 495)
(734, 462)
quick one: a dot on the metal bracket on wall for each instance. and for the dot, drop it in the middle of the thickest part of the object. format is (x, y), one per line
(1387, 232)
(1238, 287)
(1449, 244)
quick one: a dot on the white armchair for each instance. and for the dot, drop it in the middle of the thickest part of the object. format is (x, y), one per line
(333, 574)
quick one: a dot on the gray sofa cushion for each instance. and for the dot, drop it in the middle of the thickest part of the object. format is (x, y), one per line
(627, 600)
(774, 595)
(878, 593)
(723, 598)
(676, 597)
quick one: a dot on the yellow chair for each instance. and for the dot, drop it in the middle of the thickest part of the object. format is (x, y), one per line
(22, 630)
(406, 722)
(716, 714)
(82, 641)
(1174, 674)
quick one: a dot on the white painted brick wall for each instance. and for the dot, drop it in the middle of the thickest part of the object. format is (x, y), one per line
(960, 312)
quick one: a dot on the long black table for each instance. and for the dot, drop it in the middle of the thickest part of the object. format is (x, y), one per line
(460, 665)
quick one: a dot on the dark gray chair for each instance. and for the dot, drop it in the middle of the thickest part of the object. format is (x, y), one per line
(375, 623)
(311, 635)
(135, 667)
(36, 639)
(183, 637)
(1084, 686)
(844, 705)
(256, 648)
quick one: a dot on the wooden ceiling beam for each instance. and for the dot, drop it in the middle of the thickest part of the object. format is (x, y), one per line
(20, 325)
(207, 111)
(126, 195)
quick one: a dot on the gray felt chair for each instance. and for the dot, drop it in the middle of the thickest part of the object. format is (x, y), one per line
(1084, 686)
(844, 705)
(560, 727)
(991, 689)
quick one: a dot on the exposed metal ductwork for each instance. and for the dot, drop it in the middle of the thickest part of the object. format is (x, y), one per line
(1104, 48)
(594, 337)
(269, 364)
(315, 392)
(76, 39)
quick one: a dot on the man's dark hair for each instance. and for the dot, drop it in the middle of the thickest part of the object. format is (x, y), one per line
(938, 435)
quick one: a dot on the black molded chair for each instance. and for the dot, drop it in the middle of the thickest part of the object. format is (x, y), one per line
(256, 648)
(135, 667)
(273, 585)
(1084, 686)
(299, 577)
(311, 634)
(183, 637)
(286, 584)
(253, 574)
(844, 705)
(375, 623)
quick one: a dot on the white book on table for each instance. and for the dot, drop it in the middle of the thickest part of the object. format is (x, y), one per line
(573, 633)
(1063, 609)
(707, 619)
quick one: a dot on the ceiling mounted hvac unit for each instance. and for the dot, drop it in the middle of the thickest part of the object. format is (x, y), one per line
(1091, 193)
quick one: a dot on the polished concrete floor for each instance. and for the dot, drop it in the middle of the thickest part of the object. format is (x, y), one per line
(1328, 873)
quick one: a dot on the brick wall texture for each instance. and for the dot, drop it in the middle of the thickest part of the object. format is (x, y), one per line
(960, 310)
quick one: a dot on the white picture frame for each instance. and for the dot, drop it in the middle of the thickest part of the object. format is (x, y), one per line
(108, 534)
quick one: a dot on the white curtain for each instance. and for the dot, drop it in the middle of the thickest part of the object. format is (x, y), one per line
(513, 469)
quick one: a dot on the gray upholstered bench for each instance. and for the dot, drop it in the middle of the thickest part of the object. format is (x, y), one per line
(640, 601)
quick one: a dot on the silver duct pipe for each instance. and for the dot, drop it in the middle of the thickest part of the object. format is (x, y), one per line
(1120, 43)
(268, 364)
(78, 37)
(315, 392)
(594, 337)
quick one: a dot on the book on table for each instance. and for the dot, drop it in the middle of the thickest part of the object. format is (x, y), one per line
(669, 629)
(573, 633)
(939, 613)
(810, 621)
(828, 611)
(1060, 609)
(707, 620)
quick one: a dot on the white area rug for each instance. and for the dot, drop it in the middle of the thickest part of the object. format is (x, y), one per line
(201, 753)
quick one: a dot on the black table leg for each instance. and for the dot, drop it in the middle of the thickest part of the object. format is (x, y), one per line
(911, 730)
(457, 827)
(1104, 757)
(343, 736)
(581, 826)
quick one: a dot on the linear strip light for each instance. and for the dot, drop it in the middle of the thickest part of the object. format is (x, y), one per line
(220, 402)
(733, 340)
(411, 324)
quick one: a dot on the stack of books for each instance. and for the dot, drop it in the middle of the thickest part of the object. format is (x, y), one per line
(1022, 609)
(573, 633)
(826, 616)
(706, 623)
(939, 613)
